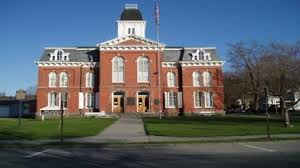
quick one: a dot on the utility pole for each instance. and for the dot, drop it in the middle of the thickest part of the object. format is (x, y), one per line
(157, 23)
(61, 121)
(267, 114)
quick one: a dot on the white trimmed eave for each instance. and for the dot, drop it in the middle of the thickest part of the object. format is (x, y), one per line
(169, 64)
(201, 63)
(66, 64)
(131, 48)
(116, 41)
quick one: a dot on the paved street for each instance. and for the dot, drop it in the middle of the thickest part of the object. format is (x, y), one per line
(255, 154)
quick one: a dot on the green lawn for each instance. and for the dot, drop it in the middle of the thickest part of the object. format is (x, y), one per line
(49, 129)
(214, 126)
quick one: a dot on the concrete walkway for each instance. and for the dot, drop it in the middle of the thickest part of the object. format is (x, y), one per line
(129, 128)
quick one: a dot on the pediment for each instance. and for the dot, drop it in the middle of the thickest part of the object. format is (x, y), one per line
(130, 41)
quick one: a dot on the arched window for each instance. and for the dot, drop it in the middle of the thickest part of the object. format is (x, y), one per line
(197, 79)
(89, 80)
(63, 79)
(171, 79)
(198, 99)
(118, 70)
(59, 55)
(52, 79)
(143, 69)
(207, 79)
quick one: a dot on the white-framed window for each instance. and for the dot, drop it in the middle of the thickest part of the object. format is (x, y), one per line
(170, 99)
(64, 99)
(143, 69)
(53, 99)
(89, 100)
(207, 79)
(197, 79)
(59, 55)
(89, 80)
(63, 79)
(209, 99)
(171, 79)
(198, 99)
(52, 79)
(118, 70)
(129, 30)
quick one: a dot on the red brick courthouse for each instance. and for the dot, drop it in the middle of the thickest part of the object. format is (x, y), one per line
(130, 73)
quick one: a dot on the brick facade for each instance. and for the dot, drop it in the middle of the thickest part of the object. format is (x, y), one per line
(130, 95)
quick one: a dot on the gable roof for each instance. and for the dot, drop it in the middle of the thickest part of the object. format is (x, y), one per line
(139, 40)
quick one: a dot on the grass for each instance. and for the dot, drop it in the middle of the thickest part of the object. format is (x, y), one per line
(215, 126)
(49, 129)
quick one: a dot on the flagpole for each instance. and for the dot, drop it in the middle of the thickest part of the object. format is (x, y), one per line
(157, 23)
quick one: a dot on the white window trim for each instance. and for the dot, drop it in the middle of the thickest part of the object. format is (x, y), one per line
(195, 102)
(113, 66)
(207, 79)
(209, 99)
(138, 68)
(171, 83)
(50, 80)
(89, 80)
(167, 100)
(61, 84)
(197, 82)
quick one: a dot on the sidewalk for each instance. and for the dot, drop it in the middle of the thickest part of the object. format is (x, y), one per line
(129, 128)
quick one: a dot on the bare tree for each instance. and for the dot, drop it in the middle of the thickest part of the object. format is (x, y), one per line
(245, 58)
(281, 71)
(276, 66)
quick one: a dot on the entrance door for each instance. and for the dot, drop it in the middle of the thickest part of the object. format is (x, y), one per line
(118, 103)
(143, 102)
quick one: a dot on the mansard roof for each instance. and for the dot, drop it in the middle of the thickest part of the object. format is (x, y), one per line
(175, 54)
(76, 54)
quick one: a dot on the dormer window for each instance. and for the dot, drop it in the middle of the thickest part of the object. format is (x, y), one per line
(200, 54)
(59, 55)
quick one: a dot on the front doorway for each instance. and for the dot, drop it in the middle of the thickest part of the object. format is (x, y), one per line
(118, 102)
(143, 102)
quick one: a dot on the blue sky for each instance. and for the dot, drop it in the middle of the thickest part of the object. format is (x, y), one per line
(29, 25)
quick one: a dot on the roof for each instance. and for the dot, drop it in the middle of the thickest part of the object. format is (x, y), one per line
(174, 54)
(131, 14)
(78, 54)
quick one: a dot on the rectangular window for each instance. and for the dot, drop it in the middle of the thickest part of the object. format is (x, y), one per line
(198, 99)
(170, 99)
(208, 99)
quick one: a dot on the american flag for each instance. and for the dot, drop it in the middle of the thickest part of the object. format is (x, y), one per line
(157, 12)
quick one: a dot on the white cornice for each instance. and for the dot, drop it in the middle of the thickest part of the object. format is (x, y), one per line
(169, 64)
(117, 41)
(131, 48)
(200, 63)
(66, 64)
(70, 48)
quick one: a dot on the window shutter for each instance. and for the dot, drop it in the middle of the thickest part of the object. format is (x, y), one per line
(49, 99)
(166, 100)
(86, 100)
(80, 100)
(179, 97)
(97, 100)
